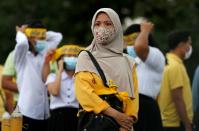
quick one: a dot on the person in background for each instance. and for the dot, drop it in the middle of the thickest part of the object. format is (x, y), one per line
(33, 41)
(150, 65)
(2, 97)
(63, 103)
(175, 98)
(195, 93)
(9, 83)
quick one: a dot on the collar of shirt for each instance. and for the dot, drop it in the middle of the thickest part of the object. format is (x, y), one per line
(66, 76)
(174, 57)
(40, 53)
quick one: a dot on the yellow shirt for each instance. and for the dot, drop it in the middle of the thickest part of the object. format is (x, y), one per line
(1, 100)
(89, 85)
(174, 76)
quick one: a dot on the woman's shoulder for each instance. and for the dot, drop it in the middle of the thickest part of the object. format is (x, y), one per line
(82, 58)
(83, 55)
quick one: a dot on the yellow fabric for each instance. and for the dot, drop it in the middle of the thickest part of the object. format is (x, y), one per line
(174, 76)
(9, 70)
(2, 110)
(36, 32)
(130, 39)
(135, 102)
(89, 85)
(66, 50)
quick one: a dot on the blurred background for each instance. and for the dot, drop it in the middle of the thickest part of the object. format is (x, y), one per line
(73, 19)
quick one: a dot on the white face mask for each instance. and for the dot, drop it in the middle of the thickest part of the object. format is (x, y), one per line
(188, 53)
(70, 63)
(104, 35)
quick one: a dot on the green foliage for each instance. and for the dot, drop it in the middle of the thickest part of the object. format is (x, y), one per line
(73, 19)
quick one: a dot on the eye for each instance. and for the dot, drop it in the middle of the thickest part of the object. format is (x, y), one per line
(108, 23)
(97, 24)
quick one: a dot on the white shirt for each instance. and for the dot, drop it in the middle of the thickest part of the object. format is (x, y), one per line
(66, 97)
(150, 72)
(33, 99)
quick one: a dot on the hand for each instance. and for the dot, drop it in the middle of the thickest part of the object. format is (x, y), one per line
(49, 54)
(188, 127)
(126, 122)
(123, 129)
(22, 28)
(146, 26)
(61, 65)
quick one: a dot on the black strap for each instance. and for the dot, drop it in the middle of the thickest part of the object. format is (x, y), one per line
(99, 69)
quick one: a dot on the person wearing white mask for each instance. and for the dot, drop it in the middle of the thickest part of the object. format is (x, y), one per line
(33, 41)
(150, 64)
(175, 98)
(63, 103)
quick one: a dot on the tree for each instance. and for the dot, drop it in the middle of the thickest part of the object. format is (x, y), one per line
(73, 19)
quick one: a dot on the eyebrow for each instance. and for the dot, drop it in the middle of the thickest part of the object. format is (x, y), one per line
(104, 21)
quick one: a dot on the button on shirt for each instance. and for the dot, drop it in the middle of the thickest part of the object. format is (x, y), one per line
(150, 73)
(33, 100)
(66, 97)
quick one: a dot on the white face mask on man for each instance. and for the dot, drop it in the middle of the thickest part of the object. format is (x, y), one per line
(188, 53)
(104, 35)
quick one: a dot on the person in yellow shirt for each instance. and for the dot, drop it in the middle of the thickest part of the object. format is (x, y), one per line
(119, 70)
(9, 83)
(2, 98)
(175, 98)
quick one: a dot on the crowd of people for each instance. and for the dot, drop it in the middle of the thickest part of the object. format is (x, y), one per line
(121, 82)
